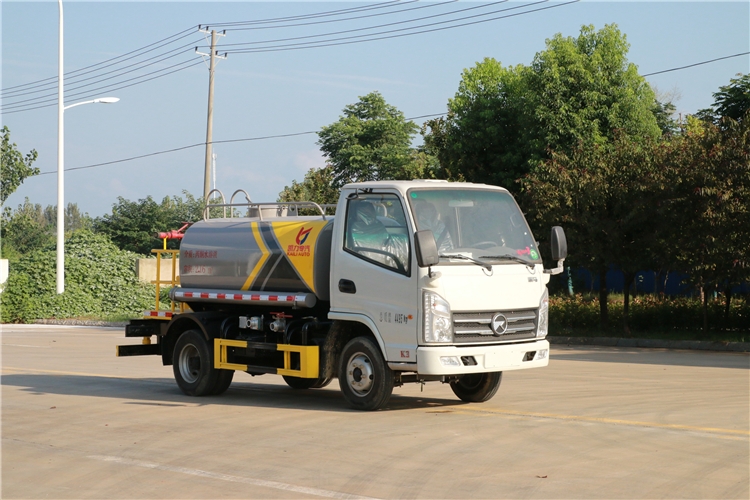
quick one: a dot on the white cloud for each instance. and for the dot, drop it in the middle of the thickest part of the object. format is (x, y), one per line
(305, 160)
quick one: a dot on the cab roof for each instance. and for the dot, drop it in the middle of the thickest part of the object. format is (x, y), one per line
(404, 186)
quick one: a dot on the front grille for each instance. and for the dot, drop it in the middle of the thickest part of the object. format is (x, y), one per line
(475, 327)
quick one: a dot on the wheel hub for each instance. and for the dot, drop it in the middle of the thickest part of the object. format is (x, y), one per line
(359, 374)
(190, 364)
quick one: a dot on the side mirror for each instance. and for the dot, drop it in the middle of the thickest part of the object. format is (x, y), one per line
(426, 248)
(559, 243)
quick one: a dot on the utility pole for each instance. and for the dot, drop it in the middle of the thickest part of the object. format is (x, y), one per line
(210, 118)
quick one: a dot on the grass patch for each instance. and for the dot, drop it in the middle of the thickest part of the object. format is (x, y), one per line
(116, 317)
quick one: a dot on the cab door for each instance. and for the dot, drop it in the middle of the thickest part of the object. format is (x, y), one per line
(373, 271)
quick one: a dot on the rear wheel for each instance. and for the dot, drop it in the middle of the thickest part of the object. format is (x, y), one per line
(308, 383)
(191, 365)
(364, 377)
(223, 381)
(477, 387)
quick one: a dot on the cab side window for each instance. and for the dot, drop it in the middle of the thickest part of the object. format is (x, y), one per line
(376, 231)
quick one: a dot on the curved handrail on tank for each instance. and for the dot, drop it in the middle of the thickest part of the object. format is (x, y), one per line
(231, 201)
(249, 204)
(298, 204)
(208, 205)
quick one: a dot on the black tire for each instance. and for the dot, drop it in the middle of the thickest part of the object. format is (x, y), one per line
(322, 382)
(477, 387)
(299, 383)
(223, 381)
(306, 383)
(364, 377)
(192, 364)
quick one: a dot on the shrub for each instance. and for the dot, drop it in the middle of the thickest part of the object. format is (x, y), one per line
(649, 315)
(100, 280)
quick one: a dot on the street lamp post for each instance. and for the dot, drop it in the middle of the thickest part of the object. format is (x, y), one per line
(61, 107)
(60, 161)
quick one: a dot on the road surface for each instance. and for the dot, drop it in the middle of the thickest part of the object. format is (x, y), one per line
(77, 422)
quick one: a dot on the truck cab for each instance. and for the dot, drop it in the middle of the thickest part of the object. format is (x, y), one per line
(478, 309)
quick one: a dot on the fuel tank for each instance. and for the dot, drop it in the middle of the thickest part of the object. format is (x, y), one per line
(279, 254)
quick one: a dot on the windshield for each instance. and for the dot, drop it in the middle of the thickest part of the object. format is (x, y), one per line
(483, 225)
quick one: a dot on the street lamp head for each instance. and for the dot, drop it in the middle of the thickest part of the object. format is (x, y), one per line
(104, 100)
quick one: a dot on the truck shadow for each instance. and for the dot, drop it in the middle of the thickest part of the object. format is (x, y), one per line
(164, 392)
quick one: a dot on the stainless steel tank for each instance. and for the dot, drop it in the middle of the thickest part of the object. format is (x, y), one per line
(278, 255)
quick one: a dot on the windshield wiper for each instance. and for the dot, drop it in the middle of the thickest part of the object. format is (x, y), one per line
(507, 257)
(464, 257)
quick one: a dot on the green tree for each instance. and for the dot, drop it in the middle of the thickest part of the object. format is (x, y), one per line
(133, 225)
(604, 195)
(487, 135)
(30, 227)
(664, 114)
(75, 220)
(504, 120)
(664, 111)
(371, 141)
(731, 101)
(24, 230)
(317, 186)
(586, 90)
(707, 205)
(14, 166)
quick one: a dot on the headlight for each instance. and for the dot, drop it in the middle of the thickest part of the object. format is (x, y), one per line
(438, 326)
(541, 330)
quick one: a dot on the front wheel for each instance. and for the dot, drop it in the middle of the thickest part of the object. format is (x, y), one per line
(364, 377)
(191, 365)
(477, 387)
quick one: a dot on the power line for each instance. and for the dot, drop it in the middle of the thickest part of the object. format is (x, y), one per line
(380, 25)
(39, 99)
(70, 73)
(108, 87)
(112, 89)
(166, 41)
(368, 16)
(380, 5)
(76, 80)
(199, 144)
(696, 64)
(355, 39)
(33, 102)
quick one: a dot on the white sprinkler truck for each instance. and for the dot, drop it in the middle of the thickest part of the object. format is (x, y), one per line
(410, 281)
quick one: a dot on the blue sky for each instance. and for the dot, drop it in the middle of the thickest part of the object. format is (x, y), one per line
(286, 92)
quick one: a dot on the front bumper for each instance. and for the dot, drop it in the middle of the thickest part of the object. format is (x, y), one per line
(488, 358)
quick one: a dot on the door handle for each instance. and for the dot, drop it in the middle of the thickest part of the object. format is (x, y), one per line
(347, 286)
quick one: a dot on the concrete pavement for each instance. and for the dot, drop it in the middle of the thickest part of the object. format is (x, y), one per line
(599, 422)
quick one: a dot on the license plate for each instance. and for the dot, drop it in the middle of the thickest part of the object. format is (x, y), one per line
(495, 359)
